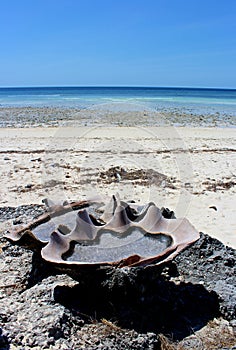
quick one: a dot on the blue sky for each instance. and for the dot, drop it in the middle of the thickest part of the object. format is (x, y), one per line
(118, 42)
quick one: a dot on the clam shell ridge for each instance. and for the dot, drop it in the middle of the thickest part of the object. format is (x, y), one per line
(70, 236)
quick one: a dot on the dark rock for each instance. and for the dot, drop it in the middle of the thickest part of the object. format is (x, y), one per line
(211, 262)
(17, 222)
(28, 211)
(4, 342)
(177, 298)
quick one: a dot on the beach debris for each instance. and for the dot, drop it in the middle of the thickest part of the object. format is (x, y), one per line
(219, 185)
(36, 159)
(29, 186)
(145, 177)
(213, 207)
(74, 235)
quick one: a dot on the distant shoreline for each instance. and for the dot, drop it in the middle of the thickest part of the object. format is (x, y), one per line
(126, 106)
(110, 115)
(117, 87)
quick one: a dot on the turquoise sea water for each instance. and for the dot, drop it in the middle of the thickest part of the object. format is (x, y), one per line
(195, 99)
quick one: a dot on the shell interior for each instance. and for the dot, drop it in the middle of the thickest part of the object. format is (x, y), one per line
(124, 235)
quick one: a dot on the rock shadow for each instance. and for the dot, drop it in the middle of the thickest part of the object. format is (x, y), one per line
(40, 270)
(140, 299)
(4, 341)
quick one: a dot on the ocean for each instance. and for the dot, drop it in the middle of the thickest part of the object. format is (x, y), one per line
(83, 97)
(196, 99)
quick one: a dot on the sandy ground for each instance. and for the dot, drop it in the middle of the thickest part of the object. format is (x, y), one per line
(189, 170)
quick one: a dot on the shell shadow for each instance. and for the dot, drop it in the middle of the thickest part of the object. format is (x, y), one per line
(141, 299)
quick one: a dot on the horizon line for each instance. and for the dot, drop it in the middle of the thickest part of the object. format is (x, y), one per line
(116, 86)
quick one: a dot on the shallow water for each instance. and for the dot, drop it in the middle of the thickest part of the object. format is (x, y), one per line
(171, 102)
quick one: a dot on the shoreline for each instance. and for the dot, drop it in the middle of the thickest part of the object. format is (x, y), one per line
(111, 115)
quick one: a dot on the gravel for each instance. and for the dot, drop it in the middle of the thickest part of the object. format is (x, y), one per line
(22, 213)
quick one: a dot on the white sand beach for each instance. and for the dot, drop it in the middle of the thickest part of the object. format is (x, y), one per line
(189, 170)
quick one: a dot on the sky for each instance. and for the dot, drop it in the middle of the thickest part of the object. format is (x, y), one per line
(118, 43)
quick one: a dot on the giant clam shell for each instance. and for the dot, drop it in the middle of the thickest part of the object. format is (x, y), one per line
(69, 235)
